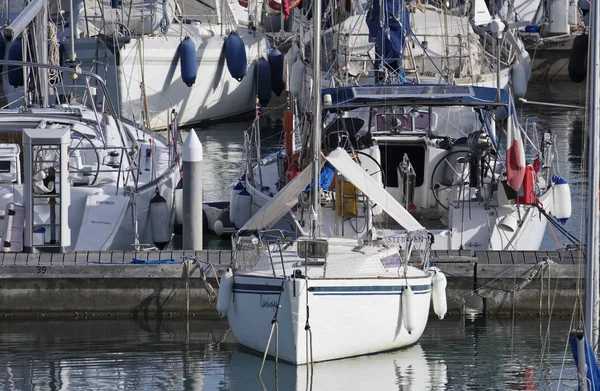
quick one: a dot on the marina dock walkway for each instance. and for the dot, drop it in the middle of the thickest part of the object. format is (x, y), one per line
(159, 283)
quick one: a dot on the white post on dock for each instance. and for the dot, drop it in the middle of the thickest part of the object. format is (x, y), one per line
(192, 192)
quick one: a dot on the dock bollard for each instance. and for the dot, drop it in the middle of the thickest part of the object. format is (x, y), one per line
(192, 192)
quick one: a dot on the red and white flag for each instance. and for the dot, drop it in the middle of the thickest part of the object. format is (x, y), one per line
(515, 156)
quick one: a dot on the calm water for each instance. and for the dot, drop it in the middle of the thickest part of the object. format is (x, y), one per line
(453, 354)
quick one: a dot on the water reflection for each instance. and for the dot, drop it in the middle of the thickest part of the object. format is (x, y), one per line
(406, 369)
(112, 355)
(455, 354)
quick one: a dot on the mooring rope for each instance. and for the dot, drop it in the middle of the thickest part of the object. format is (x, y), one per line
(274, 326)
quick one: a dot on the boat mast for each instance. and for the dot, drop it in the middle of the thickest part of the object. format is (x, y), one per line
(43, 48)
(593, 203)
(317, 115)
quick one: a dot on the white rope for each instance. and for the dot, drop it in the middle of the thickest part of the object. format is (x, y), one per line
(53, 54)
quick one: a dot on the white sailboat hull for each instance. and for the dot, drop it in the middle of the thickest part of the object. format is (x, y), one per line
(121, 235)
(215, 94)
(347, 317)
(146, 73)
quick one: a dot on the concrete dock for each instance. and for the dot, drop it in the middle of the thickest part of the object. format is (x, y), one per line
(108, 284)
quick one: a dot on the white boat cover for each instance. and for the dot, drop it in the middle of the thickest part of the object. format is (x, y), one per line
(352, 172)
(139, 16)
(283, 202)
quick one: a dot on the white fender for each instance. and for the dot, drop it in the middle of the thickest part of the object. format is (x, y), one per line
(438, 294)
(561, 199)
(159, 221)
(235, 192)
(225, 293)
(519, 80)
(218, 227)
(297, 78)
(408, 299)
(243, 208)
(288, 62)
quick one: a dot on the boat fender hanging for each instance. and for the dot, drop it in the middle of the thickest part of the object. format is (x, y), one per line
(519, 80)
(263, 82)
(438, 293)
(235, 56)
(292, 55)
(408, 307)
(276, 64)
(159, 221)
(561, 199)
(578, 59)
(297, 78)
(15, 73)
(225, 293)
(235, 192)
(243, 209)
(243, 3)
(525, 60)
(222, 222)
(288, 62)
(187, 59)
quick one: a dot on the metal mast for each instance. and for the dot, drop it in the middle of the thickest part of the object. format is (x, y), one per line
(317, 115)
(593, 204)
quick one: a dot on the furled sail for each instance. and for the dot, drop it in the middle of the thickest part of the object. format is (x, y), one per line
(283, 202)
(354, 173)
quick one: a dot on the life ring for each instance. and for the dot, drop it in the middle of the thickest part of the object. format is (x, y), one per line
(274, 6)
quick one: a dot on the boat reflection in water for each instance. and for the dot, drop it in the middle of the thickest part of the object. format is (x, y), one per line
(406, 369)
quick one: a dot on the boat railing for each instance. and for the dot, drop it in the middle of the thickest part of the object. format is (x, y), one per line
(76, 72)
(263, 251)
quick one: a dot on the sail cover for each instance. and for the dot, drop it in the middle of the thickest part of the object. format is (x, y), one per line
(351, 171)
(282, 203)
(389, 30)
(592, 371)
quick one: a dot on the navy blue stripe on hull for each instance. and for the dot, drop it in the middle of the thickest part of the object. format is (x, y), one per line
(368, 294)
(257, 289)
(372, 290)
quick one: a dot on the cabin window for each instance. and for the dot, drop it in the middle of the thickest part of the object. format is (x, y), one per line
(392, 155)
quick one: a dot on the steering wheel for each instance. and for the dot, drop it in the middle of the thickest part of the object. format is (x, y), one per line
(73, 148)
(444, 159)
(121, 31)
(383, 178)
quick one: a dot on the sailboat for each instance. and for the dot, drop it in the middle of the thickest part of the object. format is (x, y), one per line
(74, 175)
(428, 43)
(584, 340)
(158, 56)
(406, 139)
(322, 297)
